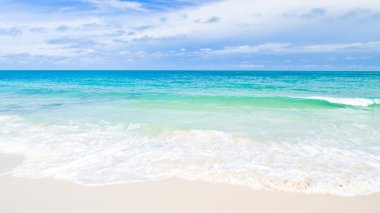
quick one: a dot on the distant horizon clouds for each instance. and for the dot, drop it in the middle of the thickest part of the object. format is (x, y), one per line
(190, 35)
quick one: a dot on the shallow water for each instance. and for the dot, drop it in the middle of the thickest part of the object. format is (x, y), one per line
(313, 132)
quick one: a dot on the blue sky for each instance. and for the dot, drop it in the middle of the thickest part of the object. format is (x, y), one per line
(185, 34)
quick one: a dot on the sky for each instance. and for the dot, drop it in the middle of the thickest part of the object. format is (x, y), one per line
(190, 34)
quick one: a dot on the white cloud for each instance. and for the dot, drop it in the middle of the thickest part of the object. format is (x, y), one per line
(117, 4)
(13, 31)
(248, 18)
(292, 48)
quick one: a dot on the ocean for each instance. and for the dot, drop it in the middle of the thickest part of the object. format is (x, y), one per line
(311, 132)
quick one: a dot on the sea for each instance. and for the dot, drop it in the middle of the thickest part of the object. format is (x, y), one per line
(309, 132)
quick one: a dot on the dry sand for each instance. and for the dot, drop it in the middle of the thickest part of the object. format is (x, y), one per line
(19, 195)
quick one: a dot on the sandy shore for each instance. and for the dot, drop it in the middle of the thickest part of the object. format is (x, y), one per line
(19, 195)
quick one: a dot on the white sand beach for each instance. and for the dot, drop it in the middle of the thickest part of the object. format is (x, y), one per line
(18, 195)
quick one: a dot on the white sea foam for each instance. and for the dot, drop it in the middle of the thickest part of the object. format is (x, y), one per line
(102, 153)
(360, 102)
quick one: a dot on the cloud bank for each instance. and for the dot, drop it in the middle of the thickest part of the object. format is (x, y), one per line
(181, 34)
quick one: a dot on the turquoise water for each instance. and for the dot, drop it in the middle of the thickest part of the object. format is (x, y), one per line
(312, 132)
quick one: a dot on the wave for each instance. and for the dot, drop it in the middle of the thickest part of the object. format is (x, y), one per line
(223, 102)
(360, 102)
(103, 153)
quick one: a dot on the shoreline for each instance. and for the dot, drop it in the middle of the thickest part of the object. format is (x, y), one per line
(19, 195)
